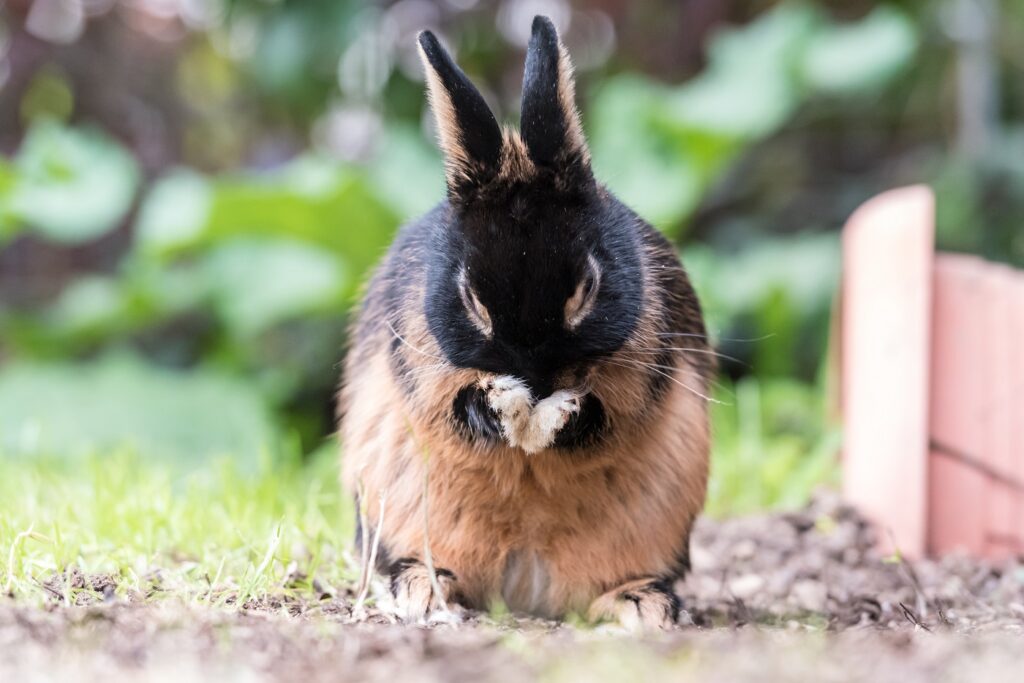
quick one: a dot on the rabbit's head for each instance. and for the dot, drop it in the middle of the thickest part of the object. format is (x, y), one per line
(536, 270)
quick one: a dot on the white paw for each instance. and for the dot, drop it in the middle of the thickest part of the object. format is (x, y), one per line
(415, 599)
(511, 400)
(547, 419)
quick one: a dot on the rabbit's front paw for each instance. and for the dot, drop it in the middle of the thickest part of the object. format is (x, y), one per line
(415, 597)
(512, 402)
(547, 419)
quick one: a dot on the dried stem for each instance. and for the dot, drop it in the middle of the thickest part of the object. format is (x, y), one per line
(428, 558)
(9, 587)
(364, 540)
(370, 561)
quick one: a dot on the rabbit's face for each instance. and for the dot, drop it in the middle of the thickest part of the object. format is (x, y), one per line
(539, 292)
(535, 270)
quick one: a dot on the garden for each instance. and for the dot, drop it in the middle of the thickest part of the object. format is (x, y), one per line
(193, 195)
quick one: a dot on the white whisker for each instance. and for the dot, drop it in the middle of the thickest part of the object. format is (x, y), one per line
(428, 371)
(404, 341)
(637, 365)
(706, 336)
(683, 349)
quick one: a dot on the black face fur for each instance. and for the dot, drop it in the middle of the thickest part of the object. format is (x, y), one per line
(527, 229)
(523, 267)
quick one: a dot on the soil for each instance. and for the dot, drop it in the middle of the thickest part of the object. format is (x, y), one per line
(794, 596)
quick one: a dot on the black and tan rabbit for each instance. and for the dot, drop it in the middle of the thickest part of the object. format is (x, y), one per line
(531, 357)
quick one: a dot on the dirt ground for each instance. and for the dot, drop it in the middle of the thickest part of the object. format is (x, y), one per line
(797, 596)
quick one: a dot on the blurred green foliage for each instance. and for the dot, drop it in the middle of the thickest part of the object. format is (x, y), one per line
(183, 418)
(230, 263)
(69, 185)
(663, 147)
(773, 446)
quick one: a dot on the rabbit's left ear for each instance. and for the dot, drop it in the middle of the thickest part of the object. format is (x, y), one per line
(550, 124)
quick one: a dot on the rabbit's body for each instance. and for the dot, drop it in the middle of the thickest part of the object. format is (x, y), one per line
(528, 381)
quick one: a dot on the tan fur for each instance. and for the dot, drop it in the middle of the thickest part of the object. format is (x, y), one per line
(548, 532)
(457, 164)
(577, 307)
(567, 98)
(516, 165)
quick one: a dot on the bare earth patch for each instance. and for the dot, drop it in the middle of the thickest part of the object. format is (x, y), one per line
(798, 596)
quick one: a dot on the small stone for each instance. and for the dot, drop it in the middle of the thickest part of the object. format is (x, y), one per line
(746, 586)
(809, 595)
(701, 559)
(744, 550)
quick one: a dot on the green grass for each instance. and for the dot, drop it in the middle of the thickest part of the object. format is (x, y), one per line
(772, 447)
(223, 532)
(218, 528)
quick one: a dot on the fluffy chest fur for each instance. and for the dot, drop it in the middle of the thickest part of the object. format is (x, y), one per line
(547, 533)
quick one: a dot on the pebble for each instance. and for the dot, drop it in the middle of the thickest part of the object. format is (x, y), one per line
(746, 586)
(809, 595)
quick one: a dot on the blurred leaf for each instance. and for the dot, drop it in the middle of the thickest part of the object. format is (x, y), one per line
(770, 300)
(48, 96)
(75, 410)
(776, 315)
(71, 185)
(850, 58)
(257, 283)
(660, 148)
(175, 210)
(637, 159)
(8, 222)
(749, 88)
(298, 45)
(407, 173)
(804, 267)
(282, 54)
(88, 303)
(310, 201)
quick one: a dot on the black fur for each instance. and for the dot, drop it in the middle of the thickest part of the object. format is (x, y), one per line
(523, 266)
(542, 125)
(585, 427)
(474, 415)
(666, 587)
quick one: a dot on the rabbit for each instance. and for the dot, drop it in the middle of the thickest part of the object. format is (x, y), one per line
(525, 402)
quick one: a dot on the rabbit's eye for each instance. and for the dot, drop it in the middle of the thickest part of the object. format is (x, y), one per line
(476, 311)
(581, 303)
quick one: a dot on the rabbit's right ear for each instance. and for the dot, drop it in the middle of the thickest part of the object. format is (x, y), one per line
(468, 132)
